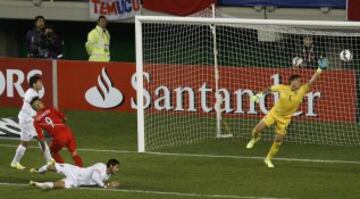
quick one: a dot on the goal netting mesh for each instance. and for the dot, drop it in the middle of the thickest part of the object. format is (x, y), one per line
(199, 77)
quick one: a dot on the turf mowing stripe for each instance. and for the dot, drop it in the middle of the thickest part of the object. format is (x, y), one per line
(256, 158)
(157, 192)
(209, 156)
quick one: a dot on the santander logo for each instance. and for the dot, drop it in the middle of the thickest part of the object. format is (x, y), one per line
(104, 95)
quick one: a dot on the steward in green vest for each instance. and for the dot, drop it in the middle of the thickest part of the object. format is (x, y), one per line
(98, 42)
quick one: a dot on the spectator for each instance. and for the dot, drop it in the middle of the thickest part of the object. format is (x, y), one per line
(36, 40)
(53, 43)
(309, 53)
(98, 42)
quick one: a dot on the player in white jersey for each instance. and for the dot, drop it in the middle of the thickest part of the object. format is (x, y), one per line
(28, 130)
(95, 175)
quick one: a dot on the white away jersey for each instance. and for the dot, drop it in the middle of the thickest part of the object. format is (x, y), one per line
(93, 175)
(27, 113)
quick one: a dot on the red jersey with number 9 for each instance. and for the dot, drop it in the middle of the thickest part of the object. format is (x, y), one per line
(51, 120)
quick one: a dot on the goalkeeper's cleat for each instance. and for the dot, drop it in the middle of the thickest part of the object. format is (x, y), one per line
(252, 142)
(256, 98)
(17, 166)
(268, 163)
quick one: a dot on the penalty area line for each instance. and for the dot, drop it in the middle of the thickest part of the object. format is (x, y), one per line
(179, 194)
(205, 155)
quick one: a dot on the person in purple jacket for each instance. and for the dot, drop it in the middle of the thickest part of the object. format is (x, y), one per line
(42, 41)
(36, 39)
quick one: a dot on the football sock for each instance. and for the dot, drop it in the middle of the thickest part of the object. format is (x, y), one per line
(46, 152)
(20, 151)
(273, 150)
(58, 158)
(78, 161)
(254, 134)
(43, 169)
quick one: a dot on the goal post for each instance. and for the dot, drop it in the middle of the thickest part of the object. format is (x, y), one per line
(139, 93)
(196, 75)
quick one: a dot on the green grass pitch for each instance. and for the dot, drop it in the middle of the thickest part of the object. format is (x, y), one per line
(299, 173)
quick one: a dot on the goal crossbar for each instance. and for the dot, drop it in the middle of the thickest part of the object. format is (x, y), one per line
(201, 20)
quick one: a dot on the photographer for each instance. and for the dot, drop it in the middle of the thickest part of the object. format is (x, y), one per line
(43, 42)
(53, 43)
(309, 52)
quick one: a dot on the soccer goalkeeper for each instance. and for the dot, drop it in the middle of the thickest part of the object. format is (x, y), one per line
(291, 96)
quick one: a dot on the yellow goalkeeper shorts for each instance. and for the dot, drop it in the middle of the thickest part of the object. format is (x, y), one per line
(281, 123)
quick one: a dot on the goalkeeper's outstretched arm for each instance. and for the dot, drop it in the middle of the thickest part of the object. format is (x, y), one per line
(315, 77)
(322, 65)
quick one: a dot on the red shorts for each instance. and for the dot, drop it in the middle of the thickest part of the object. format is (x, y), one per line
(65, 138)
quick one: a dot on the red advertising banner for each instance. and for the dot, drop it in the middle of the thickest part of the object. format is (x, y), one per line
(177, 89)
(95, 85)
(353, 10)
(332, 98)
(14, 76)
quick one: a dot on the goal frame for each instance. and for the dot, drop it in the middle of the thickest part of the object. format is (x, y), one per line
(205, 21)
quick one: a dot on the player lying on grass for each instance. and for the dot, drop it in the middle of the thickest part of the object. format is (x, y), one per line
(28, 131)
(95, 175)
(291, 96)
(52, 121)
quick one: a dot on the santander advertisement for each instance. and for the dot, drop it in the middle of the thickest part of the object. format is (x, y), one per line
(95, 86)
(192, 89)
(180, 89)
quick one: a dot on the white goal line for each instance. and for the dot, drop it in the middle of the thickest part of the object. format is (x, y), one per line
(180, 194)
(207, 155)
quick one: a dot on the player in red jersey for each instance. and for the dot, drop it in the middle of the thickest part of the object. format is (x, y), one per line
(52, 121)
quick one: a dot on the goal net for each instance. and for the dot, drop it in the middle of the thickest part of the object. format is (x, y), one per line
(198, 75)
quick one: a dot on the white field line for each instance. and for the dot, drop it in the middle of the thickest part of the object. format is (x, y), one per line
(180, 194)
(208, 155)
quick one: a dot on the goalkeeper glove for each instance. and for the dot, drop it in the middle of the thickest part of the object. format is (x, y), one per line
(323, 63)
(256, 98)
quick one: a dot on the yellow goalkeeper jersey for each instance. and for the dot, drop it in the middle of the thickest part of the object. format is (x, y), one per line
(289, 100)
